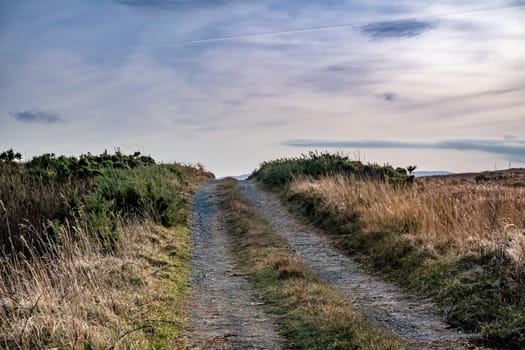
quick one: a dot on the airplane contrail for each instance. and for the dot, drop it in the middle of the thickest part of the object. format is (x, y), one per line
(327, 27)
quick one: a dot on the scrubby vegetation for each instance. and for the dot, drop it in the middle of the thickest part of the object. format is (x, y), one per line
(459, 242)
(311, 314)
(97, 193)
(282, 171)
(94, 250)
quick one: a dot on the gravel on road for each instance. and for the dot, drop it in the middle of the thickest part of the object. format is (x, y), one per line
(225, 312)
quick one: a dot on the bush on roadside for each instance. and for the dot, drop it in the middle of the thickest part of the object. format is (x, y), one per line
(314, 164)
(98, 192)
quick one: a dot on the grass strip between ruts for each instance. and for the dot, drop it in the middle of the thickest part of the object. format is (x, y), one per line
(310, 313)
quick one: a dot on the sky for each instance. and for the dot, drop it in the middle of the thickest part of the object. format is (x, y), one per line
(231, 83)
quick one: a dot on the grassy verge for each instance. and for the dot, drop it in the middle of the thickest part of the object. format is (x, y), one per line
(312, 315)
(458, 242)
(133, 298)
(476, 277)
(94, 252)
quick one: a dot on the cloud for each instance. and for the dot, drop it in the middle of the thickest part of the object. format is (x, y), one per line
(511, 148)
(511, 137)
(389, 96)
(36, 116)
(396, 29)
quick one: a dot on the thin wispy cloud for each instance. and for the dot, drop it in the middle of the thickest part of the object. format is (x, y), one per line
(377, 30)
(36, 116)
(513, 148)
(397, 29)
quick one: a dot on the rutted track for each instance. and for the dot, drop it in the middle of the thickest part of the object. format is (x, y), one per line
(384, 303)
(225, 312)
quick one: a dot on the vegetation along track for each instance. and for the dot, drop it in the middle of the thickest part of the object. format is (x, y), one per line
(412, 319)
(225, 311)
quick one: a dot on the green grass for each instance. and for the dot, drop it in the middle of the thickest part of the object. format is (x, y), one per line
(312, 315)
(282, 171)
(164, 313)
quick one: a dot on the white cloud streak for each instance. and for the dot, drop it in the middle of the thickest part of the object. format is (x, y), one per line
(511, 148)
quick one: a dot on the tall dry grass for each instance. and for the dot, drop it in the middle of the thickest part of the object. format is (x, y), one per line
(94, 251)
(27, 206)
(80, 298)
(436, 216)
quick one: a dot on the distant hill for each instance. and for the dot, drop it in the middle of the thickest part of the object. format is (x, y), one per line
(236, 177)
(241, 177)
(431, 173)
(514, 177)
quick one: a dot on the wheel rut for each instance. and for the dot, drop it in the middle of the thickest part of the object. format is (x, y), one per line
(225, 312)
(413, 319)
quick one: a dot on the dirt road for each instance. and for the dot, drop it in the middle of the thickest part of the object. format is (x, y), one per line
(227, 313)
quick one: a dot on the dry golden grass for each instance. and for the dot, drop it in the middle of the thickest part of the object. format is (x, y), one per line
(437, 216)
(287, 266)
(81, 298)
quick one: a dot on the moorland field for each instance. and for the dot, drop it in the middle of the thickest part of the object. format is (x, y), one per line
(95, 250)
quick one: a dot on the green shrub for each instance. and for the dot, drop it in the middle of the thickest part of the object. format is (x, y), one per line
(98, 192)
(481, 177)
(64, 168)
(314, 164)
(10, 156)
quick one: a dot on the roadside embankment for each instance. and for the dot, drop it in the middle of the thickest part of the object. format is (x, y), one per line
(457, 241)
(94, 251)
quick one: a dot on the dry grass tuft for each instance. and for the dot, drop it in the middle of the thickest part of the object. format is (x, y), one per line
(286, 266)
(513, 245)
